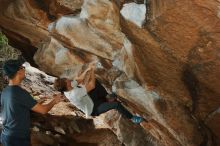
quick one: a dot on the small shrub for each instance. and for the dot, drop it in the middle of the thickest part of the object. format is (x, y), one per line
(6, 52)
(3, 40)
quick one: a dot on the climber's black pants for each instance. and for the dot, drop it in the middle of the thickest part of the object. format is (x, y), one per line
(106, 106)
(98, 96)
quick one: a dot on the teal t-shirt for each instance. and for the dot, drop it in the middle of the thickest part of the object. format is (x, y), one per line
(16, 105)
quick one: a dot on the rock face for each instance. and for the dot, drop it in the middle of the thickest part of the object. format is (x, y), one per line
(166, 71)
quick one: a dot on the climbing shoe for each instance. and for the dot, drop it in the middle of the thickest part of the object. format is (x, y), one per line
(137, 119)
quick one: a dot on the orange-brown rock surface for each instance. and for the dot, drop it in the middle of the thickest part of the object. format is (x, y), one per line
(166, 70)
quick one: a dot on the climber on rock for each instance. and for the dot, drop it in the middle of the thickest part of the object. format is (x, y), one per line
(91, 97)
(16, 104)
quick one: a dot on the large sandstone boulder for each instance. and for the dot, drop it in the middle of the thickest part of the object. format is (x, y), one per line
(165, 69)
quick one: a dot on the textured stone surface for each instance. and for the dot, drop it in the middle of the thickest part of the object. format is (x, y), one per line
(122, 128)
(190, 32)
(168, 70)
(166, 123)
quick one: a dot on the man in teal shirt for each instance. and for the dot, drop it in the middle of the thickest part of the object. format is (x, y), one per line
(16, 106)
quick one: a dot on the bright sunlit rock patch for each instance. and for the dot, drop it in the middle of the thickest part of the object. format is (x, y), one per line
(134, 12)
